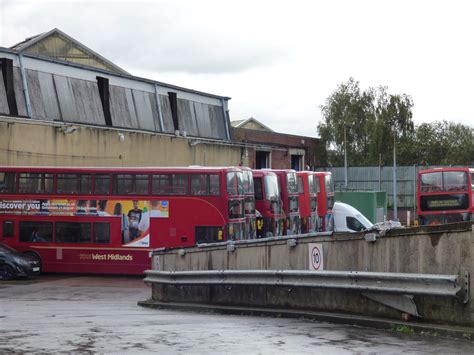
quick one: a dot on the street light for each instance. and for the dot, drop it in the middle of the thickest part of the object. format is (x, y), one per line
(346, 126)
(395, 212)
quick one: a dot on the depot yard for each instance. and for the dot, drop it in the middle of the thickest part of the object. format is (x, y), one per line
(74, 313)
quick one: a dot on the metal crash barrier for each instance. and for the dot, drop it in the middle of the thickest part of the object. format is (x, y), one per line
(366, 282)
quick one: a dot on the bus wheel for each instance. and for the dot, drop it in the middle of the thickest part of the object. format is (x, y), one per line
(7, 273)
(36, 257)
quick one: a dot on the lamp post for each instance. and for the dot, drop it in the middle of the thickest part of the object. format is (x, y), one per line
(395, 212)
(346, 126)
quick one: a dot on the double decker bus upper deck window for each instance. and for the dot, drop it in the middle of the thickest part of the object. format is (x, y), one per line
(169, 184)
(328, 183)
(258, 189)
(141, 184)
(248, 182)
(272, 193)
(300, 185)
(126, 184)
(102, 184)
(235, 183)
(311, 186)
(317, 185)
(444, 181)
(214, 185)
(472, 188)
(73, 183)
(455, 181)
(205, 184)
(36, 183)
(431, 182)
(291, 183)
(7, 182)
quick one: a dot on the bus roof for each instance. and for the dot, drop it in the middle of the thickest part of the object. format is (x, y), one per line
(177, 169)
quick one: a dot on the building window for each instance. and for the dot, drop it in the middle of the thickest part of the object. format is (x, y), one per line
(297, 162)
(262, 160)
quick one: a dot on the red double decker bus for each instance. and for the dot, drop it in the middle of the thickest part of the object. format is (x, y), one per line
(268, 204)
(445, 195)
(289, 194)
(107, 220)
(325, 191)
(249, 204)
(308, 201)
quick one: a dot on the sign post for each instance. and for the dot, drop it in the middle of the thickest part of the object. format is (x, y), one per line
(316, 258)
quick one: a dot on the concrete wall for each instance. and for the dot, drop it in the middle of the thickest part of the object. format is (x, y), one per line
(430, 250)
(36, 143)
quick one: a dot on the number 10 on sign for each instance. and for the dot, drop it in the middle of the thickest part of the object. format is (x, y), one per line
(316, 259)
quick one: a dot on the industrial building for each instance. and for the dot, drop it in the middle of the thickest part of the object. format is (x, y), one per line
(61, 103)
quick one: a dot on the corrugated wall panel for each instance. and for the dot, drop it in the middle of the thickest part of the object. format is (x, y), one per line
(36, 98)
(88, 104)
(217, 121)
(154, 111)
(202, 115)
(50, 97)
(367, 179)
(187, 118)
(143, 109)
(166, 113)
(67, 103)
(19, 95)
(122, 108)
(57, 96)
(4, 109)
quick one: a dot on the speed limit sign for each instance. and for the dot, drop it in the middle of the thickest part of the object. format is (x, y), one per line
(316, 259)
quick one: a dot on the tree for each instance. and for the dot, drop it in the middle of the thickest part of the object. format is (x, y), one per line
(444, 143)
(376, 118)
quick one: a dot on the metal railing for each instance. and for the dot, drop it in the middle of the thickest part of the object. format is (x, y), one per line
(379, 282)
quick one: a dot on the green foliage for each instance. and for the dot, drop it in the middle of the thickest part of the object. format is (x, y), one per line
(404, 329)
(374, 119)
(444, 143)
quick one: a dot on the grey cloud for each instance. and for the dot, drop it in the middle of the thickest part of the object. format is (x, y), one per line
(158, 37)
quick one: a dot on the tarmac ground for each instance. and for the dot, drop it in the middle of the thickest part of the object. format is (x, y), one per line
(73, 313)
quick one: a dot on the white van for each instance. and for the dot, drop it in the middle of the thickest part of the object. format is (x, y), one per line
(348, 219)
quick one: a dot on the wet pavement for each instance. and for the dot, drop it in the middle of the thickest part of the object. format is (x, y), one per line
(100, 314)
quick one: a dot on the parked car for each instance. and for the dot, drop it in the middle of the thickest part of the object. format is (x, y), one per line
(14, 264)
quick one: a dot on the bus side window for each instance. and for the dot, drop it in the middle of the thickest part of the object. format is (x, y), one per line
(36, 232)
(257, 184)
(208, 234)
(214, 185)
(7, 182)
(7, 229)
(101, 233)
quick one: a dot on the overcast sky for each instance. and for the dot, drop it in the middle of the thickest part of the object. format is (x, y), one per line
(278, 60)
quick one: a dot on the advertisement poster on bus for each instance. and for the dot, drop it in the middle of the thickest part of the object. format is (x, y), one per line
(135, 214)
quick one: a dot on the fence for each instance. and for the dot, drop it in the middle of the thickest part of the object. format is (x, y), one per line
(380, 178)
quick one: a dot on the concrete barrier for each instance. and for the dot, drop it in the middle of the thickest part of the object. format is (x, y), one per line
(444, 250)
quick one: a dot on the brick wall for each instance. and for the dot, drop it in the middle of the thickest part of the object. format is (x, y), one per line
(281, 144)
